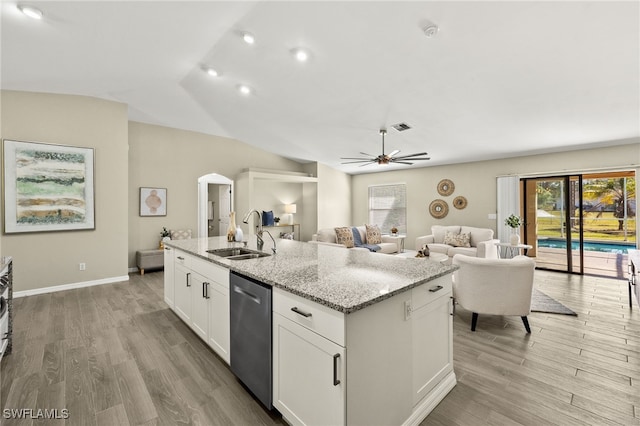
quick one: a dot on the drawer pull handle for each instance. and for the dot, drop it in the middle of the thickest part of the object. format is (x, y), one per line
(205, 290)
(336, 381)
(180, 258)
(167, 248)
(187, 276)
(299, 312)
(436, 288)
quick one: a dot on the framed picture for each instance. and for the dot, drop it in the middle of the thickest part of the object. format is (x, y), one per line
(153, 201)
(47, 187)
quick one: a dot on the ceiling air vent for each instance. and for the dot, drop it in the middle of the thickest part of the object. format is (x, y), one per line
(401, 127)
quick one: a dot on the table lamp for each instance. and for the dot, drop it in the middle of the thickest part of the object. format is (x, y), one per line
(290, 209)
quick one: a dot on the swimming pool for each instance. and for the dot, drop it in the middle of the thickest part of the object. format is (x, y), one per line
(620, 248)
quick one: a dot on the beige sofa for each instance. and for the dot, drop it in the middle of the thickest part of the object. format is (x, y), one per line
(327, 236)
(481, 241)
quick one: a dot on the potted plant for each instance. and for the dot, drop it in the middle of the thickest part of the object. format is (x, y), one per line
(276, 220)
(514, 222)
(394, 231)
(165, 235)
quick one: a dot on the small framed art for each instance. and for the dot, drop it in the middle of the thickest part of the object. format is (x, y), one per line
(153, 201)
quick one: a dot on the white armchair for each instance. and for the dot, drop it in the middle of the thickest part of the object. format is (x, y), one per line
(494, 286)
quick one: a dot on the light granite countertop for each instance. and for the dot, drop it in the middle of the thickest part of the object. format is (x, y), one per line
(342, 279)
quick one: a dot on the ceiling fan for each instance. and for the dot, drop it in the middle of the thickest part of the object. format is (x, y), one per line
(383, 158)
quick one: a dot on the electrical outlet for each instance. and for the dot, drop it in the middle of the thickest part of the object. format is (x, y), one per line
(82, 266)
(407, 310)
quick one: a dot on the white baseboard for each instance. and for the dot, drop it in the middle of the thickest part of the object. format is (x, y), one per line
(431, 400)
(71, 286)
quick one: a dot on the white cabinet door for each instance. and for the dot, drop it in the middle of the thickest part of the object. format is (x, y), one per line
(432, 330)
(169, 280)
(200, 305)
(219, 320)
(308, 375)
(183, 292)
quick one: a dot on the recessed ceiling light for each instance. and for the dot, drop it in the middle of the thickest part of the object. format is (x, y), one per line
(248, 38)
(212, 72)
(244, 89)
(301, 55)
(31, 12)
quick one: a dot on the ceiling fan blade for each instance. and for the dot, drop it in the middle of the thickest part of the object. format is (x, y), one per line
(412, 155)
(368, 155)
(358, 161)
(411, 159)
(401, 162)
(355, 158)
(394, 152)
(369, 163)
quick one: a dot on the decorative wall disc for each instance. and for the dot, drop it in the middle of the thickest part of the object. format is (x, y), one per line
(438, 209)
(446, 187)
(459, 202)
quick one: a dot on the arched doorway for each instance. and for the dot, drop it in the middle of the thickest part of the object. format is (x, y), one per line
(215, 201)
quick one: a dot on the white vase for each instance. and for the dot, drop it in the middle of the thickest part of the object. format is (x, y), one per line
(514, 239)
(238, 235)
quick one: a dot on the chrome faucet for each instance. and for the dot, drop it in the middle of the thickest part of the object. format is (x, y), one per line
(259, 230)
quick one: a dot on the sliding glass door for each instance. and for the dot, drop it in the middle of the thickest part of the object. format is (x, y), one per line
(582, 223)
(553, 217)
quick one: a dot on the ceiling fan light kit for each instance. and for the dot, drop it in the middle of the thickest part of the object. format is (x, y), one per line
(385, 159)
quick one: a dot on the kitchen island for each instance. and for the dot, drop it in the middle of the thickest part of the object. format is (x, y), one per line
(358, 338)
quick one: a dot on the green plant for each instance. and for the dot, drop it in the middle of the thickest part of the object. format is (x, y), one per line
(513, 221)
(165, 232)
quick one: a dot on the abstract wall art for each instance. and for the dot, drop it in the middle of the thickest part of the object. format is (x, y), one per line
(153, 201)
(47, 187)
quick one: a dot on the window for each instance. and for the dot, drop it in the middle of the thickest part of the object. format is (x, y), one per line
(388, 207)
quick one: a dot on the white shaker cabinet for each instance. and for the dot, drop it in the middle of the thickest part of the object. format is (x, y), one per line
(182, 299)
(432, 327)
(318, 395)
(169, 280)
(199, 305)
(219, 338)
(388, 363)
(202, 300)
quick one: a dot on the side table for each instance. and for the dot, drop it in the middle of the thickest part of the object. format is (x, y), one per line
(399, 241)
(510, 250)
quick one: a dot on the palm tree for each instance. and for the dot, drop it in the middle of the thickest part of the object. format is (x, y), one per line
(613, 191)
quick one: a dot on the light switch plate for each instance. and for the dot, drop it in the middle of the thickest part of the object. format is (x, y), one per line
(492, 216)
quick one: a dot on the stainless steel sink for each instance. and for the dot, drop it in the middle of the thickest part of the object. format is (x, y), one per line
(237, 253)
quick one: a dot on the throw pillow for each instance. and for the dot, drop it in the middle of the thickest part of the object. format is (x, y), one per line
(267, 218)
(344, 236)
(373, 234)
(457, 240)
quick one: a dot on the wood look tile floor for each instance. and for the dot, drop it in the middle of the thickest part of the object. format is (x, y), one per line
(116, 355)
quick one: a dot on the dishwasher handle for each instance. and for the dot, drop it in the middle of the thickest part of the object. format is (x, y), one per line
(245, 293)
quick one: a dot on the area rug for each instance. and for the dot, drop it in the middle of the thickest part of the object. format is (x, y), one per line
(540, 302)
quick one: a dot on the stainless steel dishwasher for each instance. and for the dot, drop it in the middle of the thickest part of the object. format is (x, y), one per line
(250, 318)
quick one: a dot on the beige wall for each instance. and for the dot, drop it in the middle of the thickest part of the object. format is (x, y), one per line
(334, 198)
(477, 182)
(175, 159)
(47, 259)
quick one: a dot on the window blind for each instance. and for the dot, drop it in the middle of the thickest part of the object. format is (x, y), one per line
(388, 207)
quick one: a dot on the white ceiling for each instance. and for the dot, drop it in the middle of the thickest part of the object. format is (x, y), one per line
(500, 79)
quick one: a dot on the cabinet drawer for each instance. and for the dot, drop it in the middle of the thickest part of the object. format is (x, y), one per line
(182, 258)
(313, 316)
(430, 291)
(213, 272)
